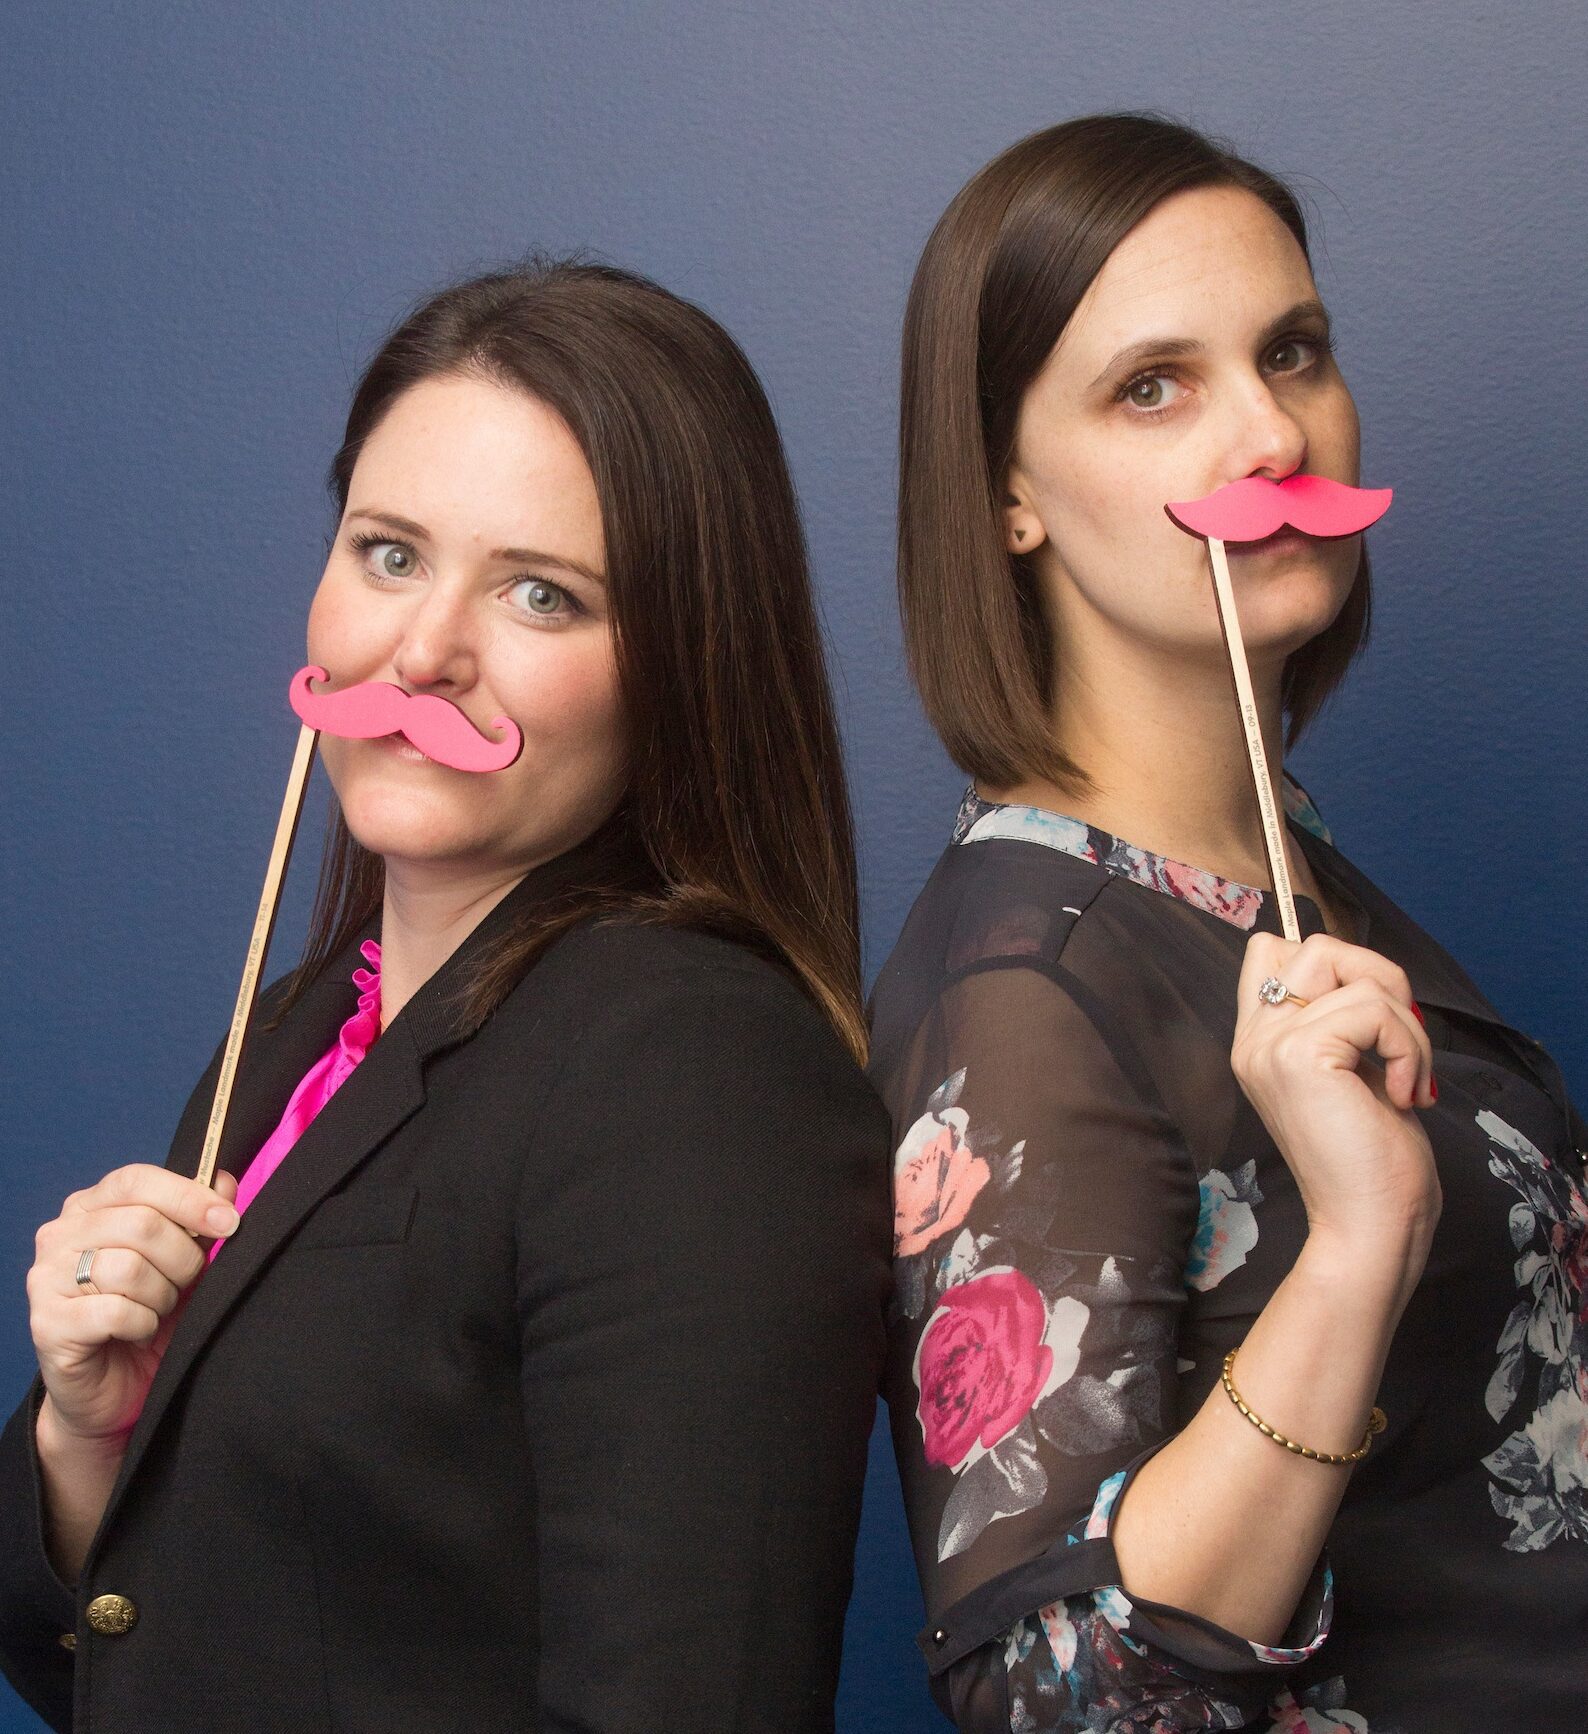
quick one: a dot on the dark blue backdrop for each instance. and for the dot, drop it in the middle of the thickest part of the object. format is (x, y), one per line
(214, 211)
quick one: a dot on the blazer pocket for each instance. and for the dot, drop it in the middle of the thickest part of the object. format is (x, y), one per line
(368, 1217)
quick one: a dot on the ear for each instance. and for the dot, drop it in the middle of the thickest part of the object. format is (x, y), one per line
(1023, 529)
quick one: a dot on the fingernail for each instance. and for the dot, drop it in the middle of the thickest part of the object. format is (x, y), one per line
(1433, 1086)
(1417, 1012)
(221, 1219)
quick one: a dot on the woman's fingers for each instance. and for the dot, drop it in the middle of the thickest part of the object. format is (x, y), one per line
(145, 1210)
(120, 1270)
(1353, 995)
(138, 1228)
(72, 1325)
(1317, 966)
(198, 1209)
(98, 1340)
(1362, 1018)
(107, 1318)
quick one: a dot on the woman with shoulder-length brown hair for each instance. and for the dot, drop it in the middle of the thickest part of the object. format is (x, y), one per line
(1182, 1214)
(529, 1381)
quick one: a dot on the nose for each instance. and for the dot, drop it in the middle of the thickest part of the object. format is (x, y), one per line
(436, 649)
(1270, 442)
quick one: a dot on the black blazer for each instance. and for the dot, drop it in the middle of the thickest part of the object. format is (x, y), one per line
(533, 1391)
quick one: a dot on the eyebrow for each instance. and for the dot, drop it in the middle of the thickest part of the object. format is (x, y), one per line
(1174, 348)
(523, 556)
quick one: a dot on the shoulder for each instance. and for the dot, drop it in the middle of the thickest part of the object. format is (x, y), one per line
(995, 896)
(696, 1078)
(609, 965)
(677, 996)
(632, 949)
(994, 902)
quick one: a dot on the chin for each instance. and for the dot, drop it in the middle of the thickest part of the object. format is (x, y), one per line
(407, 828)
(1294, 608)
(393, 843)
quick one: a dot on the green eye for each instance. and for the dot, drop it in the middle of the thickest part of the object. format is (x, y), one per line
(540, 596)
(383, 559)
(1151, 391)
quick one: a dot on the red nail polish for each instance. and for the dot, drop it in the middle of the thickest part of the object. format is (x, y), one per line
(1417, 1012)
(1433, 1087)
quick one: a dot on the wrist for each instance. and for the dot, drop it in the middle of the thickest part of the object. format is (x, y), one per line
(1380, 1265)
(57, 1443)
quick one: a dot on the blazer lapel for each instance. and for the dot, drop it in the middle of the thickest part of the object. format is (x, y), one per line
(384, 1090)
(273, 1061)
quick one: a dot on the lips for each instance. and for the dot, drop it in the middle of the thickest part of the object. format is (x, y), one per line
(405, 749)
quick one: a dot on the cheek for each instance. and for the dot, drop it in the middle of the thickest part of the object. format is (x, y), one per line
(1110, 538)
(1101, 496)
(339, 630)
(1334, 435)
(567, 700)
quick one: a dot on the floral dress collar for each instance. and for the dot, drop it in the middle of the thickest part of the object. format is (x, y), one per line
(980, 821)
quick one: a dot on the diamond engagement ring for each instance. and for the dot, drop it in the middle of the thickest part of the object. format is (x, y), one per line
(85, 1270)
(1274, 992)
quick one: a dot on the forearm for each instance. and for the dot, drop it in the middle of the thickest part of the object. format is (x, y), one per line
(77, 1475)
(1224, 1523)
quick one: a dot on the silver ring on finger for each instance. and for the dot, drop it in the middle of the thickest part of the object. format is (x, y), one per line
(84, 1276)
(1274, 992)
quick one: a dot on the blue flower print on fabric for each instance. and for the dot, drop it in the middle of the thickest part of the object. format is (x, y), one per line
(1226, 1225)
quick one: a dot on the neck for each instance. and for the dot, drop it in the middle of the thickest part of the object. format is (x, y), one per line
(1161, 742)
(426, 914)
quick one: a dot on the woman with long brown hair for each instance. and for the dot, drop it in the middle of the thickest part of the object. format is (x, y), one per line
(1239, 1370)
(530, 1378)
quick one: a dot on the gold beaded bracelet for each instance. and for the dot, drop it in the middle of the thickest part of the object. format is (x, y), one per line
(1376, 1424)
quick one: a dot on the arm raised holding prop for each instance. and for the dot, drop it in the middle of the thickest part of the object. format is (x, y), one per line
(111, 1271)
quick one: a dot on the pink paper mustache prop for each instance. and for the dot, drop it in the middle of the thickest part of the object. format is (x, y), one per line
(435, 725)
(367, 711)
(1249, 510)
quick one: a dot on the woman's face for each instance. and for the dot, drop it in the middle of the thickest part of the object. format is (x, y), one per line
(470, 564)
(1199, 356)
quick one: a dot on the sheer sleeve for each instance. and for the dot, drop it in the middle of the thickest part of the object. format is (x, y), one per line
(1048, 1221)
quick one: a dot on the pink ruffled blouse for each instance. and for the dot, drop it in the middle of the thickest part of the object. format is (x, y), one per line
(320, 1083)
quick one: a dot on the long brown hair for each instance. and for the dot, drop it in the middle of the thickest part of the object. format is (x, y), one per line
(736, 816)
(1001, 277)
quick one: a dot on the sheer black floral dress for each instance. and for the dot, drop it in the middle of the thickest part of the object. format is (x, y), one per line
(1089, 1215)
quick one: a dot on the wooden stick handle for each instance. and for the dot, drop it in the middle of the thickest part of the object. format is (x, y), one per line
(1267, 807)
(258, 945)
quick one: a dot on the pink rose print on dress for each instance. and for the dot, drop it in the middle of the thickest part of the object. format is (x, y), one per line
(992, 1350)
(936, 1178)
(981, 1364)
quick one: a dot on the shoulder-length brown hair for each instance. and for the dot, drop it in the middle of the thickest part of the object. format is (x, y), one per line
(1001, 276)
(736, 816)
